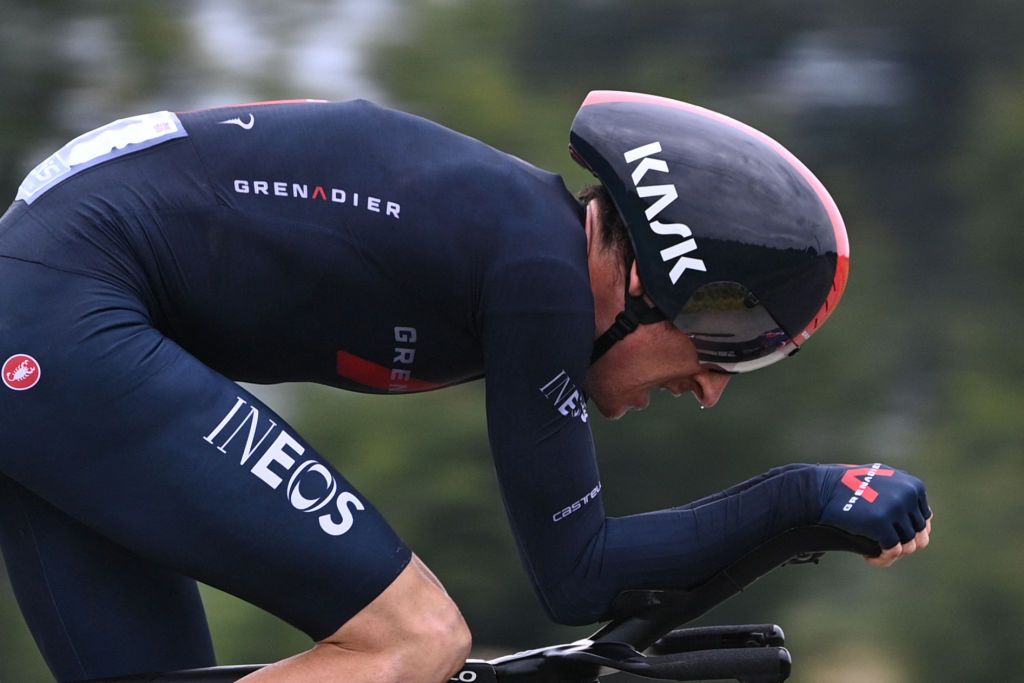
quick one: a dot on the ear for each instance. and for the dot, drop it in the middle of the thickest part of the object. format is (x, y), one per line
(590, 225)
(635, 286)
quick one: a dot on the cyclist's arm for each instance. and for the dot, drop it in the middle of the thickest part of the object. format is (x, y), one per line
(537, 332)
(537, 336)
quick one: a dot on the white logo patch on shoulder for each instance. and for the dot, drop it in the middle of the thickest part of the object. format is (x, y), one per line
(113, 140)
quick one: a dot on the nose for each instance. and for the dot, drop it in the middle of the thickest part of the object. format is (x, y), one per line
(710, 385)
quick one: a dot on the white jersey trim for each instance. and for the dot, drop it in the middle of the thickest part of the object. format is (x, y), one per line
(111, 141)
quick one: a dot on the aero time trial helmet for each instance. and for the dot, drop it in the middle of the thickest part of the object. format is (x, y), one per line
(735, 240)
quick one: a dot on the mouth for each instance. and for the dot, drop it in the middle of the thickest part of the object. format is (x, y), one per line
(633, 407)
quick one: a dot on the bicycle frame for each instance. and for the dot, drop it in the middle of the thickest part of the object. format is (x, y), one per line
(647, 620)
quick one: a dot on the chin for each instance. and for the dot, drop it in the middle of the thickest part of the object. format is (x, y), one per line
(611, 412)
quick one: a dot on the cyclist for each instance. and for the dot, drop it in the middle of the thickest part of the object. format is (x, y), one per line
(150, 264)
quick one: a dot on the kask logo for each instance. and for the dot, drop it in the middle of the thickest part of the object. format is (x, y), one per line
(21, 371)
(666, 194)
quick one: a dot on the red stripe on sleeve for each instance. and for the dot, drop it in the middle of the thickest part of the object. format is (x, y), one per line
(368, 373)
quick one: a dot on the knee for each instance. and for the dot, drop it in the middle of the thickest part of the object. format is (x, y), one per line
(442, 635)
(433, 616)
(458, 640)
(414, 630)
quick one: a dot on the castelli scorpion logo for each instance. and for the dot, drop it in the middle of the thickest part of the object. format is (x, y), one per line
(21, 372)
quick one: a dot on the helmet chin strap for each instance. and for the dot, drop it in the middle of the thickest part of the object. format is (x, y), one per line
(638, 312)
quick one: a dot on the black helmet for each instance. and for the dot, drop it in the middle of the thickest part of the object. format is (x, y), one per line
(735, 240)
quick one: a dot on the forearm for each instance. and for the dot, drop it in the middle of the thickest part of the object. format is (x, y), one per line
(680, 547)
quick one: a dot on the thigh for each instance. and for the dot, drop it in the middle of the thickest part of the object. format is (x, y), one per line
(95, 608)
(128, 433)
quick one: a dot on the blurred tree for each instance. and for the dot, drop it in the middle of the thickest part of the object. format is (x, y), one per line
(69, 67)
(910, 112)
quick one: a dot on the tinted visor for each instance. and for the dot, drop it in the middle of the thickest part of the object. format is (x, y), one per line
(732, 330)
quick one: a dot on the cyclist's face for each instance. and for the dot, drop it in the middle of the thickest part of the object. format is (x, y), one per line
(657, 356)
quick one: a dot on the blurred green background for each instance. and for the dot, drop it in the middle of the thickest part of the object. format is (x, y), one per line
(912, 113)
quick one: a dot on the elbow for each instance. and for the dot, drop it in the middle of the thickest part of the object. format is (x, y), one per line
(575, 602)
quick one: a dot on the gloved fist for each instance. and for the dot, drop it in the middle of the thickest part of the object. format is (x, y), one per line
(879, 502)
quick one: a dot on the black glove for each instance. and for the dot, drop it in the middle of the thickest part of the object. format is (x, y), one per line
(879, 502)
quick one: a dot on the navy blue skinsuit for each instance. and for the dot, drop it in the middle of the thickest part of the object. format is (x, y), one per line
(151, 265)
